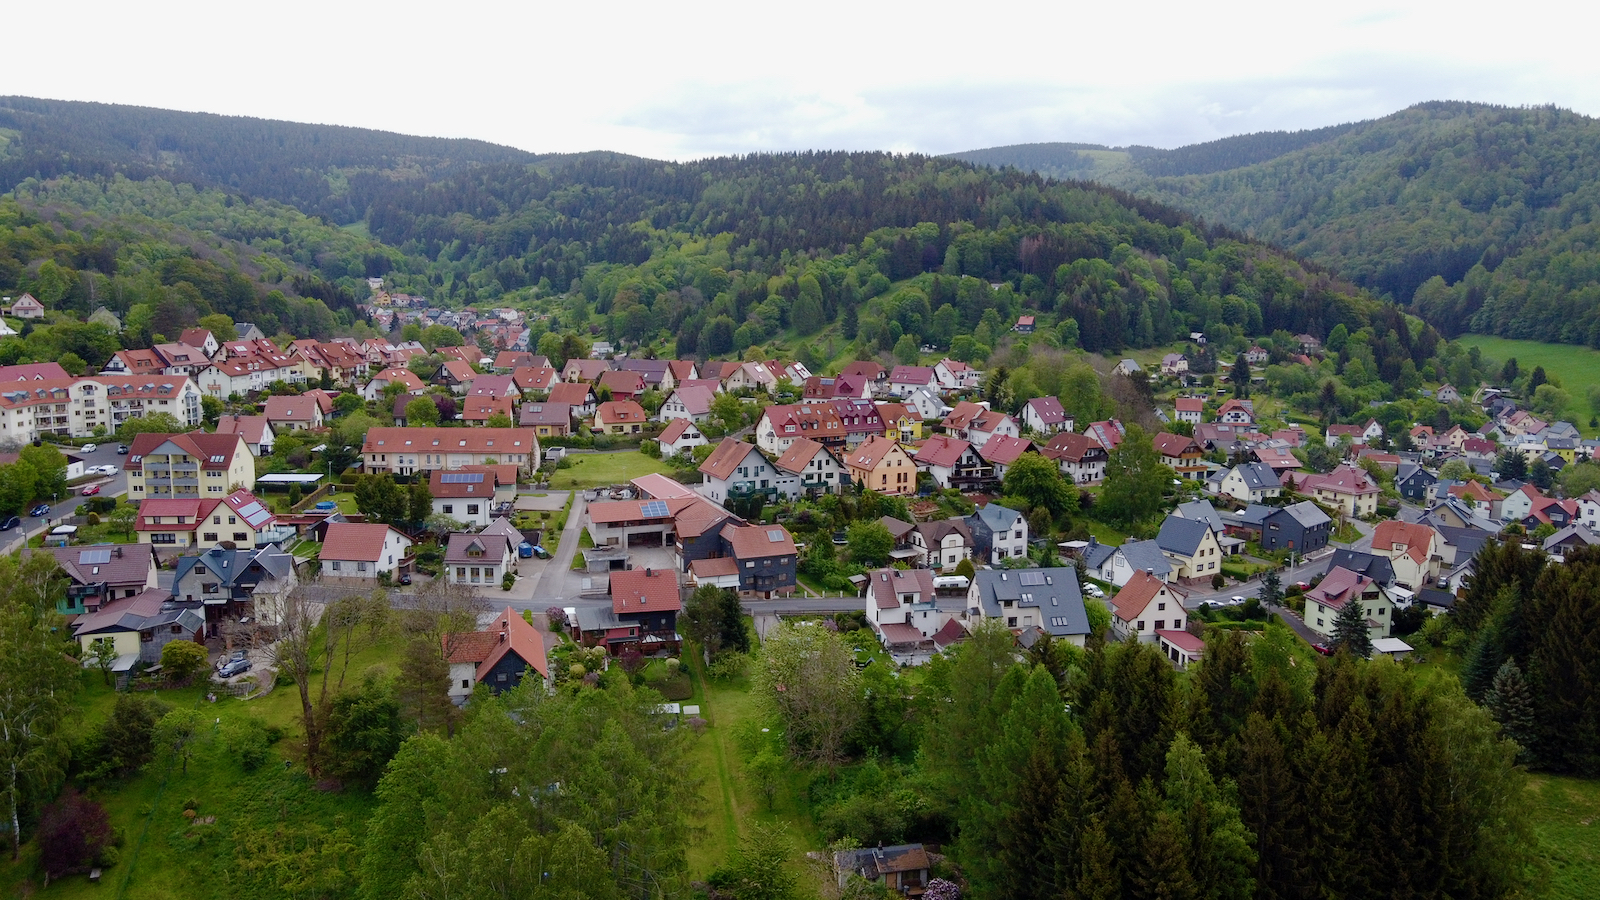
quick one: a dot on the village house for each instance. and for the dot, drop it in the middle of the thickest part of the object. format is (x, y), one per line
(1234, 411)
(1411, 550)
(942, 543)
(693, 403)
(680, 438)
(620, 417)
(407, 379)
(231, 584)
(1144, 606)
(499, 657)
(546, 419)
(408, 451)
(579, 398)
(364, 550)
(1347, 487)
(1045, 416)
(953, 463)
(1191, 547)
(998, 533)
(737, 471)
(1134, 557)
(1250, 483)
(26, 307)
(1181, 454)
(1190, 409)
(955, 376)
(906, 378)
(903, 611)
(256, 431)
(1302, 527)
(781, 425)
(875, 374)
(99, 574)
(900, 422)
(817, 468)
(479, 559)
(197, 464)
(903, 868)
(882, 465)
(469, 494)
(1174, 364)
(1341, 586)
(138, 627)
(1003, 451)
(1081, 458)
(766, 557)
(622, 385)
(1048, 600)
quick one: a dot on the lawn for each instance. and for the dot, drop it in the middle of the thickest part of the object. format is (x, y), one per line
(1577, 368)
(271, 826)
(589, 470)
(1566, 812)
(728, 800)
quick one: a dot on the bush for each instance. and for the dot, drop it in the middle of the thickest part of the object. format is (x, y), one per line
(1217, 581)
(92, 519)
(249, 741)
(507, 580)
(181, 660)
(728, 664)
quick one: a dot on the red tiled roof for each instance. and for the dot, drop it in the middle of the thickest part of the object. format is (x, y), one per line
(675, 430)
(354, 541)
(1134, 596)
(727, 457)
(616, 411)
(756, 541)
(450, 440)
(213, 451)
(1003, 449)
(282, 408)
(645, 591)
(571, 393)
(941, 450)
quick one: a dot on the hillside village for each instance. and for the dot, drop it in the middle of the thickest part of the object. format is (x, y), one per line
(1354, 515)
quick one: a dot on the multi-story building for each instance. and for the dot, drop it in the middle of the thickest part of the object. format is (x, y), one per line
(77, 406)
(406, 451)
(191, 465)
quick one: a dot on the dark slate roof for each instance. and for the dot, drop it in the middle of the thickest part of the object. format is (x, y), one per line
(1181, 536)
(1467, 541)
(1201, 511)
(1377, 568)
(1146, 556)
(1437, 598)
(1054, 592)
(1307, 514)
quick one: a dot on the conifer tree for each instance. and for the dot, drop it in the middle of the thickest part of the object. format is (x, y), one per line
(1350, 629)
(1270, 806)
(1510, 702)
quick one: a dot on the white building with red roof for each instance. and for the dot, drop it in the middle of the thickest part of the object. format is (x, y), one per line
(903, 610)
(1144, 606)
(1045, 415)
(1347, 487)
(256, 431)
(680, 438)
(1340, 587)
(363, 550)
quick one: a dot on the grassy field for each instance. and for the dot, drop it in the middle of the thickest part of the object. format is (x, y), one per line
(273, 825)
(1566, 815)
(1577, 368)
(590, 470)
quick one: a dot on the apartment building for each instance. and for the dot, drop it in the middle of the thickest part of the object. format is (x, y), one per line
(189, 465)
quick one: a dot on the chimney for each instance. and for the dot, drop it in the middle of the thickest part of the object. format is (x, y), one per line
(502, 637)
(119, 551)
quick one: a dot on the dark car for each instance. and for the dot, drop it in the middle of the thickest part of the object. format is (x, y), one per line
(234, 667)
(122, 449)
(11, 523)
(405, 578)
(42, 509)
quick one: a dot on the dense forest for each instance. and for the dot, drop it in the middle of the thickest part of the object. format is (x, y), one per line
(1480, 217)
(718, 254)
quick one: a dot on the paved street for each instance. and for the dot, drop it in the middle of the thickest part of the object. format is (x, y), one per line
(62, 508)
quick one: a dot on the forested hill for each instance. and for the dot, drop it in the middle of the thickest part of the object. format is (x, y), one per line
(1480, 217)
(715, 256)
(324, 170)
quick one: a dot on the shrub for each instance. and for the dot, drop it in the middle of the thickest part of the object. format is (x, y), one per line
(507, 580)
(556, 616)
(182, 659)
(92, 519)
(728, 664)
(248, 741)
(74, 833)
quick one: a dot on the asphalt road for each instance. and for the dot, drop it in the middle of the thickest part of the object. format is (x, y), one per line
(64, 507)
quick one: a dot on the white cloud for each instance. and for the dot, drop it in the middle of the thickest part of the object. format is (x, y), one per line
(726, 77)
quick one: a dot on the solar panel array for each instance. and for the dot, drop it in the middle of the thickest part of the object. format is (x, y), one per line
(94, 557)
(254, 513)
(461, 477)
(653, 509)
(1031, 578)
(775, 535)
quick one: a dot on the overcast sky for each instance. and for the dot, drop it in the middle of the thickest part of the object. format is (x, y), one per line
(689, 80)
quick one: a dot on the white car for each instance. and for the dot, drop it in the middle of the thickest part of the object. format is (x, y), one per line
(90, 448)
(1094, 591)
(106, 470)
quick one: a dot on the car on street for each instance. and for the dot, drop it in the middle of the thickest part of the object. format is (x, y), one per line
(10, 523)
(122, 449)
(234, 667)
(1094, 591)
(103, 470)
(1236, 600)
(90, 448)
(42, 509)
(91, 490)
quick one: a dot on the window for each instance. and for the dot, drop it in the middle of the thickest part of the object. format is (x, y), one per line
(472, 509)
(750, 565)
(336, 565)
(465, 684)
(1161, 607)
(210, 535)
(241, 536)
(449, 508)
(1161, 624)
(1141, 624)
(1011, 622)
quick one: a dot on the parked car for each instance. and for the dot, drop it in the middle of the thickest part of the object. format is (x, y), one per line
(237, 654)
(11, 523)
(91, 490)
(90, 448)
(122, 449)
(1236, 600)
(1322, 648)
(42, 509)
(104, 470)
(1094, 591)
(405, 578)
(234, 667)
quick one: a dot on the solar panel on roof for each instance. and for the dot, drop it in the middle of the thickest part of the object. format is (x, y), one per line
(653, 509)
(461, 477)
(94, 557)
(775, 535)
(1031, 578)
